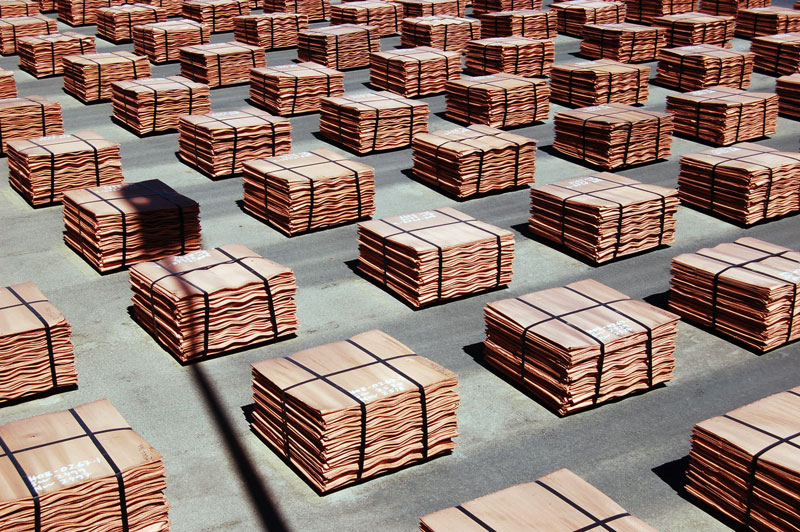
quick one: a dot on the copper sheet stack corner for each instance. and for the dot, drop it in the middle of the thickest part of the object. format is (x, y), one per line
(115, 23)
(88, 77)
(531, 23)
(221, 64)
(43, 55)
(690, 68)
(216, 14)
(13, 28)
(149, 105)
(777, 54)
(270, 31)
(411, 72)
(8, 85)
(342, 47)
(385, 16)
(769, 20)
(28, 117)
(498, 100)
(788, 90)
(586, 83)
(625, 42)
(572, 15)
(689, 29)
(445, 32)
(513, 55)
(295, 88)
(161, 41)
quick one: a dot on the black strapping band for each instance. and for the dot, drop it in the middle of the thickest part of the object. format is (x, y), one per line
(47, 334)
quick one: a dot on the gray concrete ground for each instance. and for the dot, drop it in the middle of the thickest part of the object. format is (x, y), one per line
(223, 478)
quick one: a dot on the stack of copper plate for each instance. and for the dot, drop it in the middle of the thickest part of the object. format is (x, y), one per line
(625, 42)
(315, 10)
(270, 30)
(644, 11)
(219, 64)
(308, 190)
(531, 23)
(88, 77)
(573, 14)
(601, 81)
(431, 256)
(148, 105)
(114, 226)
(14, 28)
(372, 121)
(161, 41)
(294, 89)
(216, 14)
(385, 16)
(116, 23)
(788, 90)
(347, 411)
(777, 54)
(212, 301)
(36, 353)
(28, 117)
(341, 47)
(444, 32)
(218, 143)
(18, 8)
(481, 7)
(688, 29)
(57, 468)
(730, 7)
(513, 55)
(413, 72)
(8, 86)
(744, 464)
(604, 216)
(724, 115)
(173, 8)
(556, 502)
(43, 55)
(498, 100)
(42, 168)
(746, 182)
(47, 6)
(704, 65)
(472, 160)
(82, 12)
(429, 8)
(745, 289)
(613, 135)
(768, 20)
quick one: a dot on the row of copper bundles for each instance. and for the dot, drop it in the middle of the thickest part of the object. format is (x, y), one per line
(788, 90)
(480, 7)
(43, 55)
(428, 8)
(8, 86)
(604, 216)
(768, 20)
(387, 17)
(580, 345)
(367, 122)
(218, 143)
(18, 8)
(270, 30)
(315, 10)
(414, 71)
(688, 29)
(82, 12)
(431, 256)
(88, 77)
(730, 7)
(310, 190)
(534, 24)
(219, 64)
(691, 68)
(645, 11)
(116, 23)
(294, 89)
(472, 160)
(341, 47)
(27, 118)
(724, 115)
(498, 100)
(161, 41)
(82, 468)
(513, 55)
(571, 16)
(777, 54)
(216, 14)
(625, 42)
(13, 28)
(613, 135)
(588, 83)
(211, 301)
(42, 169)
(36, 352)
(350, 410)
(444, 32)
(745, 289)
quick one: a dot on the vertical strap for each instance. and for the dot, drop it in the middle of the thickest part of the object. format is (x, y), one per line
(96, 158)
(270, 301)
(124, 224)
(37, 505)
(475, 518)
(47, 334)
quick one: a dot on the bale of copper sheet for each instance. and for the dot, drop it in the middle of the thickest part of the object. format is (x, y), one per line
(42, 55)
(498, 100)
(315, 10)
(216, 14)
(688, 29)
(586, 83)
(18, 8)
(36, 352)
(558, 502)
(730, 7)
(8, 86)
(691, 68)
(350, 410)
(295, 88)
(788, 90)
(213, 301)
(42, 169)
(444, 32)
(385, 16)
(218, 143)
(173, 8)
(28, 117)
(531, 23)
(512, 55)
(220, 64)
(746, 290)
(81, 12)
(14, 28)
(472, 160)
(88, 77)
(625, 42)
(372, 121)
(47, 6)
(148, 105)
(114, 226)
(432, 256)
(572, 15)
(613, 135)
(724, 115)
(769, 20)
(270, 30)
(116, 23)
(480, 7)
(644, 11)
(744, 464)
(56, 466)
(413, 72)
(777, 54)
(309, 190)
(342, 47)
(429, 8)
(161, 41)
(604, 216)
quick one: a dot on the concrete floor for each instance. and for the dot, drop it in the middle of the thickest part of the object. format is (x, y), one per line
(223, 478)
